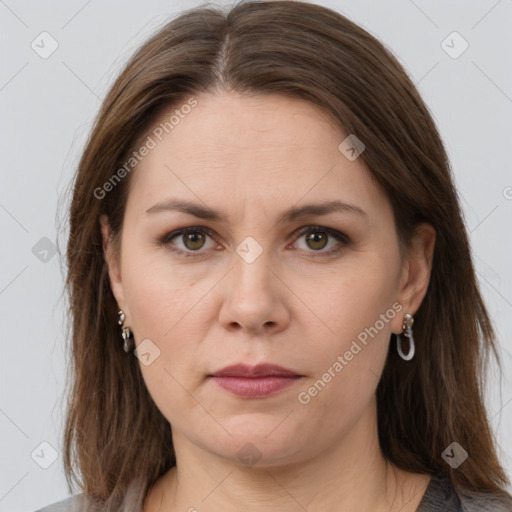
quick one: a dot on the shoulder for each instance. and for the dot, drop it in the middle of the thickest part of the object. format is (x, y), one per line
(71, 504)
(440, 496)
(132, 501)
(473, 501)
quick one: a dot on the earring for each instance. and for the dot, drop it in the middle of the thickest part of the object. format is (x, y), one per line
(407, 332)
(129, 343)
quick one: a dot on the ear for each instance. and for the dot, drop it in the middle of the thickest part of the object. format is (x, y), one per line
(416, 271)
(113, 263)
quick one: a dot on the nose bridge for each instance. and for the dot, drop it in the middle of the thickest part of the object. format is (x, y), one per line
(252, 299)
(251, 264)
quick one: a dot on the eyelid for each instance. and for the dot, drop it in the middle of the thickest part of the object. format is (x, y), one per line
(341, 237)
(310, 228)
(314, 228)
(166, 239)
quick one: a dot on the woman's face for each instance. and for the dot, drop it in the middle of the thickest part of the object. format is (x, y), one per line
(257, 285)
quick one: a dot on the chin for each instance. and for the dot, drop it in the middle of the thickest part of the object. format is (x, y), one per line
(258, 443)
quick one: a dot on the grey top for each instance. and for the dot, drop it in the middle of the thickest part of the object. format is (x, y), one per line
(439, 496)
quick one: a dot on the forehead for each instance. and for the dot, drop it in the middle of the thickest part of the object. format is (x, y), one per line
(265, 147)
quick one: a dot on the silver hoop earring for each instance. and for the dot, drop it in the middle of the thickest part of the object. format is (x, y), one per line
(407, 332)
(129, 342)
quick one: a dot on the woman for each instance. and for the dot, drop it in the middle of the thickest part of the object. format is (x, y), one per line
(264, 215)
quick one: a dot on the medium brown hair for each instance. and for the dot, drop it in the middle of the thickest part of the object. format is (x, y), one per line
(114, 432)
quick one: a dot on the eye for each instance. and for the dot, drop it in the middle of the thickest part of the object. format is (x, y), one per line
(189, 240)
(317, 238)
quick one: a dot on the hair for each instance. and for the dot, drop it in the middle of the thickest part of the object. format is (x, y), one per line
(114, 433)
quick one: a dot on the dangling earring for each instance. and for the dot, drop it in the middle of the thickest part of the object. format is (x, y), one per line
(129, 342)
(407, 332)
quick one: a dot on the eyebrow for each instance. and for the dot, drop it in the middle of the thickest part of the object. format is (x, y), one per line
(293, 213)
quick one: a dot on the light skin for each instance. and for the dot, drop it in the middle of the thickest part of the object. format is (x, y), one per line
(295, 305)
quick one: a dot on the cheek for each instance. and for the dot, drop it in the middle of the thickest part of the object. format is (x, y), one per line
(171, 306)
(345, 376)
(358, 306)
(348, 299)
(159, 292)
(167, 310)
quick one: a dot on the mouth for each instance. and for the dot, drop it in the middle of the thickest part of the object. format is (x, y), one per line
(255, 381)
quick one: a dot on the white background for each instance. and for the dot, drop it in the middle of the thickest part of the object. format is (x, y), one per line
(47, 106)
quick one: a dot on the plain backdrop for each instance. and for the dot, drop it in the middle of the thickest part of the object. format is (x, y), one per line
(48, 104)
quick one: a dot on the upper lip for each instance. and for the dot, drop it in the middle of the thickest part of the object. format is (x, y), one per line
(260, 370)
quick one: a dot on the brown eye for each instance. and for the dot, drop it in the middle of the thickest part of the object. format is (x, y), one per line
(317, 240)
(193, 241)
(320, 241)
(189, 242)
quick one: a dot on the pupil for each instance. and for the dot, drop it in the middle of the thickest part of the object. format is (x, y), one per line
(314, 238)
(193, 239)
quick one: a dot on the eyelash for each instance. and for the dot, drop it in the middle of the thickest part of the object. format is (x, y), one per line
(341, 237)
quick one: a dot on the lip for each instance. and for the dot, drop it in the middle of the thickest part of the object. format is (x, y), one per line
(255, 381)
(260, 370)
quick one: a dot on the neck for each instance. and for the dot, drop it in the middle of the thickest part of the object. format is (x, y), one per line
(350, 475)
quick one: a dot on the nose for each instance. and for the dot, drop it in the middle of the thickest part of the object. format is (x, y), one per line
(254, 298)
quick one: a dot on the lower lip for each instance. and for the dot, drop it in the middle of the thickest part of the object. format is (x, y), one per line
(255, 387)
